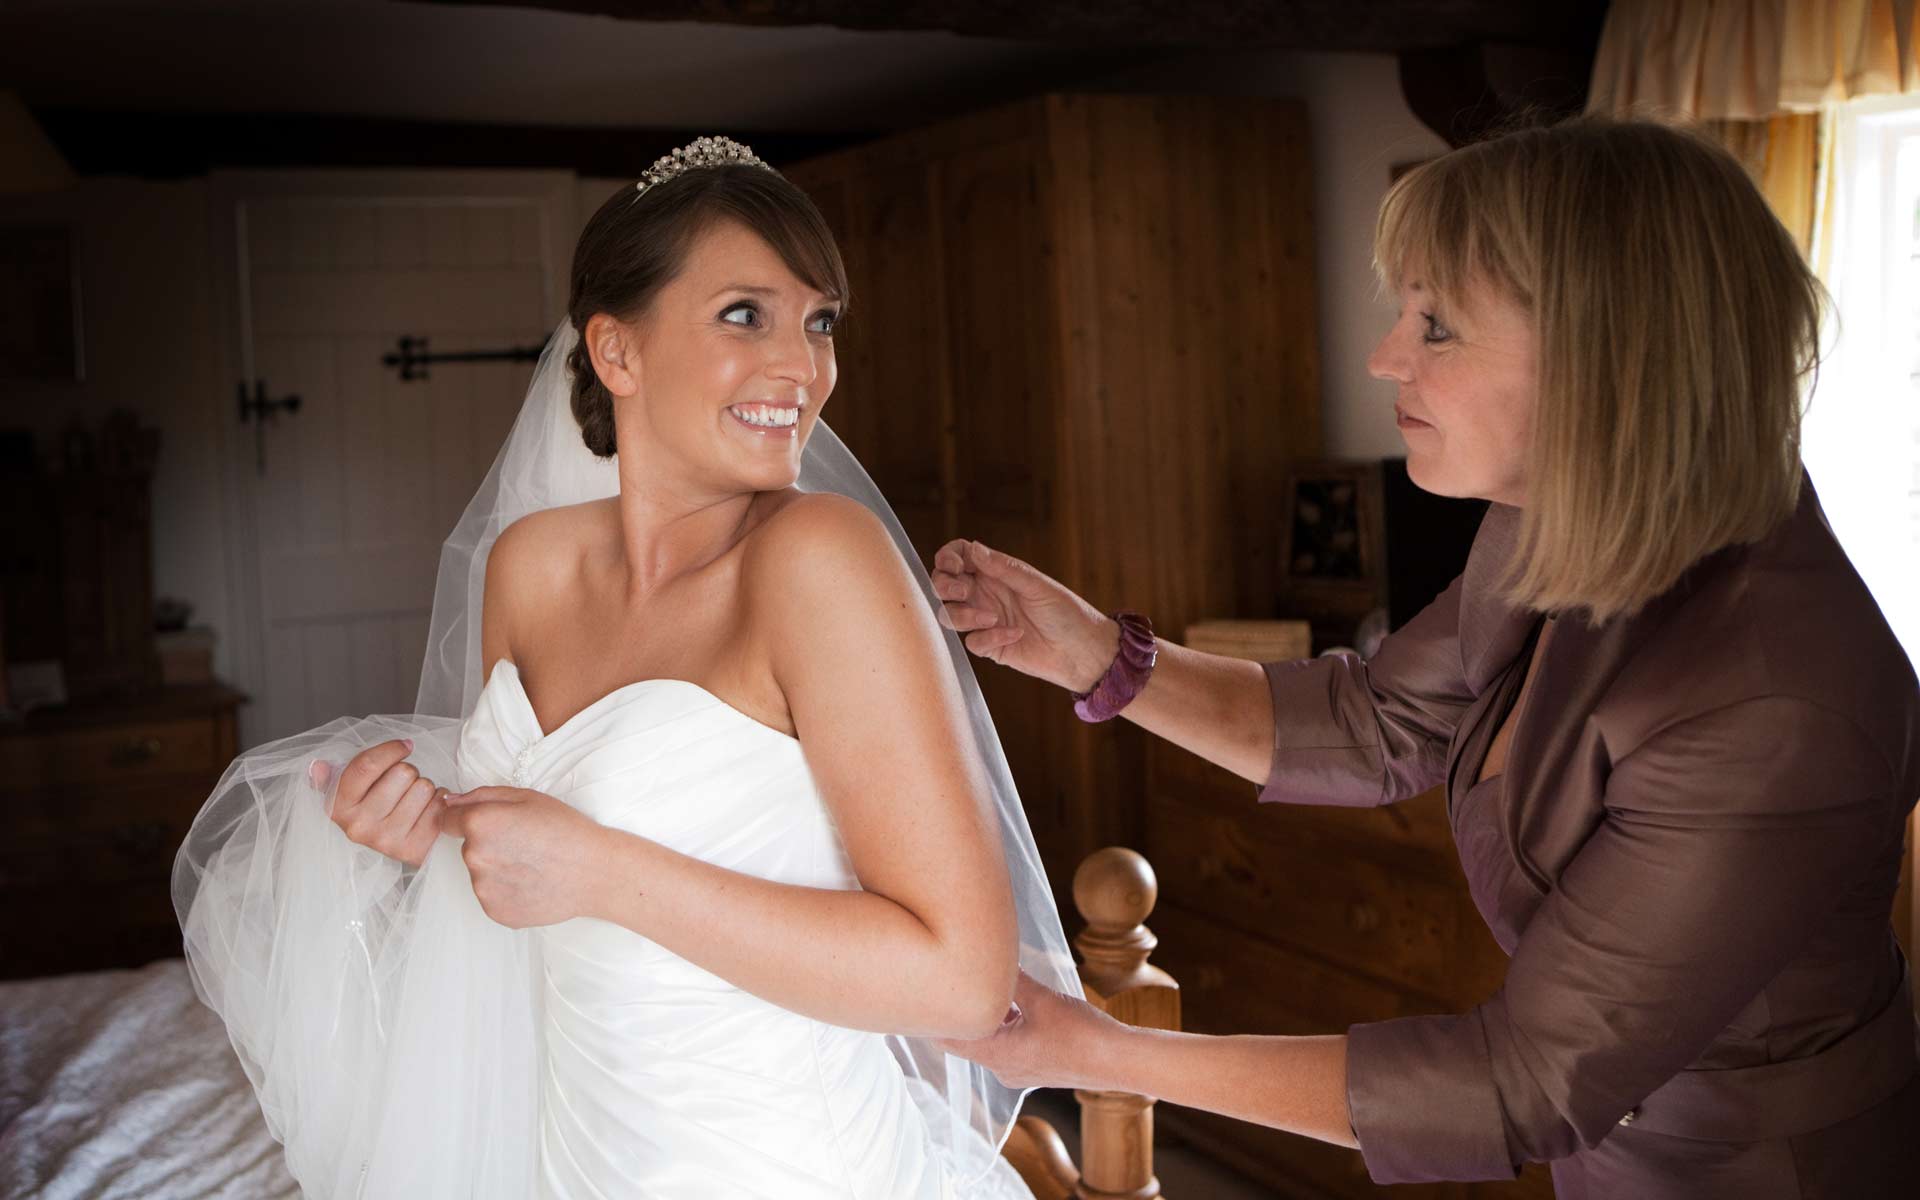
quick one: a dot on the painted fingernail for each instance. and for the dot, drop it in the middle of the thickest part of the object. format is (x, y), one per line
(1013, 1015)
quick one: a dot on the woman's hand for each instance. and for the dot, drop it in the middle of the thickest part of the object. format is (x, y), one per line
(534, 859)
(1018, 617)
(384, 802)
(1049, 1040)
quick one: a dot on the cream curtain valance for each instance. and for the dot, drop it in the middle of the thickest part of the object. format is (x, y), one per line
(1748, 60)
(1758, 74)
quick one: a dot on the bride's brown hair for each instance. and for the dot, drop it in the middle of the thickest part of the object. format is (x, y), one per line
(638, 242)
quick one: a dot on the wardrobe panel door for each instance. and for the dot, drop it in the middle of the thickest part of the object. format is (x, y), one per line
(997, 282)
(898, 326)
(892, 405)
(999, 298)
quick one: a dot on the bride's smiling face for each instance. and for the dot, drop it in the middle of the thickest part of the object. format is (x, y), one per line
(727, 369)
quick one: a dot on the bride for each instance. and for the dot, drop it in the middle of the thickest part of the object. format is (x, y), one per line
(725, 838)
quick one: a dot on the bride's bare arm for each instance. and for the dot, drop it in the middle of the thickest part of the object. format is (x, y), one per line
(929, 946)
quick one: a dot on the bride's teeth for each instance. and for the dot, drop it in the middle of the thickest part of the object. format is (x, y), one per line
(769, 418)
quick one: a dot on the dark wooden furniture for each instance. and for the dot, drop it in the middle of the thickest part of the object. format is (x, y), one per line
(1083, 330)
(76, 559)
(95, 798)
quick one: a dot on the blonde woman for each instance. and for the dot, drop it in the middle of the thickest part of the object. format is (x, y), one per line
(1678, 739)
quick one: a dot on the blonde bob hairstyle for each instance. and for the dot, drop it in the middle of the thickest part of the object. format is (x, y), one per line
(1676, 324)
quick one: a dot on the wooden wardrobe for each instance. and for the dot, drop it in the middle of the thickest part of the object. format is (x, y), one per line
(1083, 331)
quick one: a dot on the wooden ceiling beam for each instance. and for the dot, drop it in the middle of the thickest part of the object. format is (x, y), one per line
(172, 145)
(1465, 93)
(1359, 25)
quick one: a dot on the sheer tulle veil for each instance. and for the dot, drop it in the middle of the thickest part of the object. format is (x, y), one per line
(389, 1028)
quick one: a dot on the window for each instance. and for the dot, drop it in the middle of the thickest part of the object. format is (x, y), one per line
(1862, 435)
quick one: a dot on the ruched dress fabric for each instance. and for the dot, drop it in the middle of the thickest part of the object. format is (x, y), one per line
(660, 1078)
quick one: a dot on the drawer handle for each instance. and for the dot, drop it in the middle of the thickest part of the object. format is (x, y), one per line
(140, 841)
(1234, 872)
(1363, 917)
(134, 752)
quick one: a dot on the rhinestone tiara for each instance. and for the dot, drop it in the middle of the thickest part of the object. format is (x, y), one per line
(701, 152)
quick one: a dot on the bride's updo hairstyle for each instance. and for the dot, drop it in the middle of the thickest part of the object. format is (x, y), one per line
(638, 242)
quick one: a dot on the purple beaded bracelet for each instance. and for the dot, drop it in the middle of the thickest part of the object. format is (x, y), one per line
(1126, 676)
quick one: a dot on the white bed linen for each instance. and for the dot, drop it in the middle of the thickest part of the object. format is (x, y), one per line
(121, 1084)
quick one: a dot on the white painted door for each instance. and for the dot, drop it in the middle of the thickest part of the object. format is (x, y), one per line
(340, 506)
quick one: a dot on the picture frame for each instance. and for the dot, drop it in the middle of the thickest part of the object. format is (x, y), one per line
(1333, 542)
(40, 316)
(38, 684)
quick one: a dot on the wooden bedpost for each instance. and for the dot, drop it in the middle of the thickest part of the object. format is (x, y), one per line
(1115, 890)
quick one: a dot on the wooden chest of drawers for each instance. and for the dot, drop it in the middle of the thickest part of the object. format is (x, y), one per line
(94, 801)
(1298, 920)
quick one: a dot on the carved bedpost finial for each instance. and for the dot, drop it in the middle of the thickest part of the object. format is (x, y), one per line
(1115, 891)
(1115, 888)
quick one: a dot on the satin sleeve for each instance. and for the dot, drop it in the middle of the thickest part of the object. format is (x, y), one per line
(1726, 841)
(1361, 732)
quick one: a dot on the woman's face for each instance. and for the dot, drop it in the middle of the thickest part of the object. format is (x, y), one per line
(735, 358)
(1468, 380)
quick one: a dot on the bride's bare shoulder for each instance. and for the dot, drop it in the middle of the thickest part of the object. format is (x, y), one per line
(544, 539)
(536, 554)
(837, 610)
(818, 530)
(820, 545)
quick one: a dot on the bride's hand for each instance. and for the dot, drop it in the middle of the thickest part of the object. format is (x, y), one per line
(532, 857)
(384, 802)
(1011, 613)
(1049, 1040)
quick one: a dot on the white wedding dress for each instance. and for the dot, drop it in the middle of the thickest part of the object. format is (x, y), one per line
(659, 1078)
(402, 1044)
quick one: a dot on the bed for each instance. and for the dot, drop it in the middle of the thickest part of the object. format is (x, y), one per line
(121, 1084)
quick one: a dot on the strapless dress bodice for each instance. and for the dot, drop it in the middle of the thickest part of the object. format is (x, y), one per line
(660, 1078)
(670, 761)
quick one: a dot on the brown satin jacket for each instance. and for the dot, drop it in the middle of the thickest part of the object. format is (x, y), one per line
(1690, 857)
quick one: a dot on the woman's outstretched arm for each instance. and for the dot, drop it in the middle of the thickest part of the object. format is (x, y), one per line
(1334, 730)
(1298, 1084)
(1014, 614)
